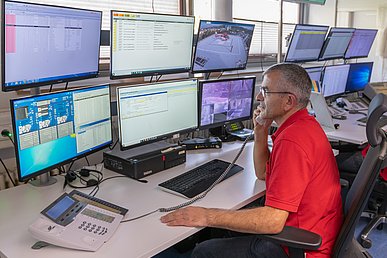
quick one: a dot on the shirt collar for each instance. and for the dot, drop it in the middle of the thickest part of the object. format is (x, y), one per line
(302, 113)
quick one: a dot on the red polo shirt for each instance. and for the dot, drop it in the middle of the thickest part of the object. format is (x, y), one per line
(302, 178)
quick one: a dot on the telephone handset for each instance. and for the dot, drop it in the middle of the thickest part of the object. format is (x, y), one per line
(75, 224)
(260, 120)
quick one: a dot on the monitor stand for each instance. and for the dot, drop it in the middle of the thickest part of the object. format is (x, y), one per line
(44, 180)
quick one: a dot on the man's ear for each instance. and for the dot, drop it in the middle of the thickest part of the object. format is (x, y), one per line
(291, 102)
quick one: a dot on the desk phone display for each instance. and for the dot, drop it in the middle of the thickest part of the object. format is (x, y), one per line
(78, 221)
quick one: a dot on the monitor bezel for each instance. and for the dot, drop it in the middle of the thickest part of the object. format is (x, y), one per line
(217, 69)
(305, 2)
(159, 137)
(48, 82)
(324, 45)
(292, 39)
(200, 93)
(47, 169)
(322, 80)
(160, 72)
(372, 67)
(373, 40)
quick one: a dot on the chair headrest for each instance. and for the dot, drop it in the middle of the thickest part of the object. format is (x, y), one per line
(377, 108)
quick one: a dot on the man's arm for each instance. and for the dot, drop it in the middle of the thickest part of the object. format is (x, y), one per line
(262, 220)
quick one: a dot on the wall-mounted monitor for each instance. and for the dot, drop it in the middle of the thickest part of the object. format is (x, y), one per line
(225, 101)
(145, 44)
(359, 76)
(361, 43)
(53, 129)
(336, 43)
(222, 46)
(153, 112)
(335, 80)
(315, 74)
(306, 43)
(43, 44)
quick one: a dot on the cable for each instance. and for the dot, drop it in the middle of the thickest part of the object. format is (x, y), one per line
(153, 6)
(88, 163)
(114, 145)
(67, 84)
(51, 87)
(9, 174)
(221, 73)
(8, 134)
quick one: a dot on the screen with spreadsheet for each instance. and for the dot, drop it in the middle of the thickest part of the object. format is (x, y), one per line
(361, 43)
(145, 44)
(336, 43)
(335, 79)
(359, 76)
(45, 44)
(222, 46)
(153, 112)
(55, 128)
(225, 101)
(306, 43)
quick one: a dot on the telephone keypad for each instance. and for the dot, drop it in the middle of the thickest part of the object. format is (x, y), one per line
(93, 228)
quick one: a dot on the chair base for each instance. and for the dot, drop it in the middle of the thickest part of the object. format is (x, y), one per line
(375, 222)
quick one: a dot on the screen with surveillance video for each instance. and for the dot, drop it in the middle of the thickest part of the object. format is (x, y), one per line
(222, 46)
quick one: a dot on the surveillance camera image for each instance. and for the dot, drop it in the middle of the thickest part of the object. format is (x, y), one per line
(222, 46)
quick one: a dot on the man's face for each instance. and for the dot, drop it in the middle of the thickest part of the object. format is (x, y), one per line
(271, 104)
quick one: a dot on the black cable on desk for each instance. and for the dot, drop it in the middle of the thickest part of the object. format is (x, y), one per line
(9, 174)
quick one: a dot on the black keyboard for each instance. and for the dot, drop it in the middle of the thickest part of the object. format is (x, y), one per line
(199, 179)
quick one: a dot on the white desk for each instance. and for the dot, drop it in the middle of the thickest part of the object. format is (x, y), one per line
(20, 206)
(349, 131)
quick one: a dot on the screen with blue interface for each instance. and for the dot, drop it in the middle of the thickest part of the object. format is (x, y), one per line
(336, 43)
(306, 43)
(359, 76)
(361, 43)
(45, 44)
(153, 112)
(335, 79)
(315, 74)
(55, 128)
(222, 46)
(149, 44)
(225, 101)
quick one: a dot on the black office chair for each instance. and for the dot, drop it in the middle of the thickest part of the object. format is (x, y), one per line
(346, 245)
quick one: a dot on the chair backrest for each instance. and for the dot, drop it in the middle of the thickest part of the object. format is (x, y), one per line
(357, 197)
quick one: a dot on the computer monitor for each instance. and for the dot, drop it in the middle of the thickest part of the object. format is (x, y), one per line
(55, 128)
(315, 74)
(225, 101)
(222, 46)
(154, 112)
(336, 43)
(361, 43)
(306, 43)
(359, 76)
(145, 44)
(43, 44)
(335, 80)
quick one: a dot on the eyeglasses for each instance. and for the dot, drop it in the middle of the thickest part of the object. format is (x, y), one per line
(264, 91)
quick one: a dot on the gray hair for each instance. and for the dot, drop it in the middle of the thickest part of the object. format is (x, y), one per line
(295, 79)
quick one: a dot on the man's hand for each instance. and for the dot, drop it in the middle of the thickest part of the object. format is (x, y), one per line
(266, 122)
(189, 217)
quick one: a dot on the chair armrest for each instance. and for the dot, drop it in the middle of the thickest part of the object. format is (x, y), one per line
(344, 183)
(296, 238)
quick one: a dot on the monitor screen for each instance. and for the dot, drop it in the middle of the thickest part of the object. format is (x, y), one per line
(153, 112)
(145, 44)
(359, 76)
(315, 74)
(336, 43)
(335, 79)
(225, 101)
(306, 43)
(44, 44)
(361, 43)
(53, 129)
(222, 46)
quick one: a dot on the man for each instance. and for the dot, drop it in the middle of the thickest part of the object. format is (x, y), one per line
(302, 180)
